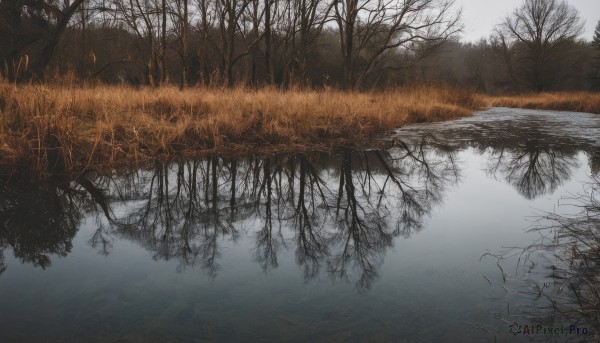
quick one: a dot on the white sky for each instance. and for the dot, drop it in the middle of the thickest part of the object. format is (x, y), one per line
(480, 16)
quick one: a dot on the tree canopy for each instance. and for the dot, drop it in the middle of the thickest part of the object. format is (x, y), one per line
(542, 31)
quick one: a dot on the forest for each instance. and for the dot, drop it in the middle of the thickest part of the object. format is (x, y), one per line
(316, 44)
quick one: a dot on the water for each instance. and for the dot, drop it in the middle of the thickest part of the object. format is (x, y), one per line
(356, 246)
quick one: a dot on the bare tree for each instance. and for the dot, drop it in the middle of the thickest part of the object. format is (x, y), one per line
(541, 29)
(269, 76)
(302, 24)
(370, 28)
(294, 43)
(501, 44)
(185, 43)
(229, 15)
(180, 15)
(204, 25)
(138, 16)
(163, 43)
(23, 23)
(595, 75)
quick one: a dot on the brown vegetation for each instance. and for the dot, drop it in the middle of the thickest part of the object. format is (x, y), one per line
(560, 101)
(48, 131)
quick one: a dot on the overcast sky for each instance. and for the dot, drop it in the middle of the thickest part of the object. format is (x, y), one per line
(480, 16)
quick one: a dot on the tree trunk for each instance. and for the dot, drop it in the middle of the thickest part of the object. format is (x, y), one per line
(185, 46)
(163, 45)
(54, 38)
(269, 76)
(348, 61)
(203, 44)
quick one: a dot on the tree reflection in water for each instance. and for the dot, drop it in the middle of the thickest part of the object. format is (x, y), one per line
(36, 222)
(536, 156)
(528, 155)
(341, 211)
(562, 268)
(533, 169)
(338, 213)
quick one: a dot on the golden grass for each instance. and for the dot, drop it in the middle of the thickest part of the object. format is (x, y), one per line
(560, 101)
(48, 131)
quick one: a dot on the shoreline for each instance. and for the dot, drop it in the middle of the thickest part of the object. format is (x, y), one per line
(587, 102)
(47, 131)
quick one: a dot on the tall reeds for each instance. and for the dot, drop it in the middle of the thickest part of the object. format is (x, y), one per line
(60, 130)
(560, 101)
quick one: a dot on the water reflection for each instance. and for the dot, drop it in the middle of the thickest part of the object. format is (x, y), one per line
(339, 213)
(558, 274)
(594, 158)
(37, 222)
(533, 169)
(532, 153)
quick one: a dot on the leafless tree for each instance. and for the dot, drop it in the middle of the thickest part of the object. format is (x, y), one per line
(541, 30)
(229, 14)
(301, 22)
(301, 43)
(370, 28)
(138, 15)
(595, 73)
(49, 20)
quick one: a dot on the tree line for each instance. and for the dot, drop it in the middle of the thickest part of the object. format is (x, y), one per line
(349, 44)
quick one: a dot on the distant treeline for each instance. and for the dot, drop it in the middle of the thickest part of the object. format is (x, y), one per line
(348, 44)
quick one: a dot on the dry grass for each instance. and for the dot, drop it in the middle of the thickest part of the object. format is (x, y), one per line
(562, 101)
(48, 131)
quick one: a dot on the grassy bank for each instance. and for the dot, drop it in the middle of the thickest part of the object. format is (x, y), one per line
(561, 101)
(63, 131)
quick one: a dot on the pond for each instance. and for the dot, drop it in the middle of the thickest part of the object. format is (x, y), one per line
(415, 243)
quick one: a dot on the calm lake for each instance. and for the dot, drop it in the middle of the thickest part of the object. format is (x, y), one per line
(408, 244)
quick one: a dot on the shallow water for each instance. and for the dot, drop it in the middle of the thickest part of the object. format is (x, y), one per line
(357, 246)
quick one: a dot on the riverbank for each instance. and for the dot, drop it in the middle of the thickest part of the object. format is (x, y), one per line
(560, 101)
(48, 131)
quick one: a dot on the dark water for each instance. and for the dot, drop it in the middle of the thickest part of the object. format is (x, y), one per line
(359, 246)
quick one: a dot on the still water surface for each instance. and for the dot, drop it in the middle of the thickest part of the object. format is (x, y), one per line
(358, 246)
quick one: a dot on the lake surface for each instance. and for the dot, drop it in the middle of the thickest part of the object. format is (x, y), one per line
(407, 244)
